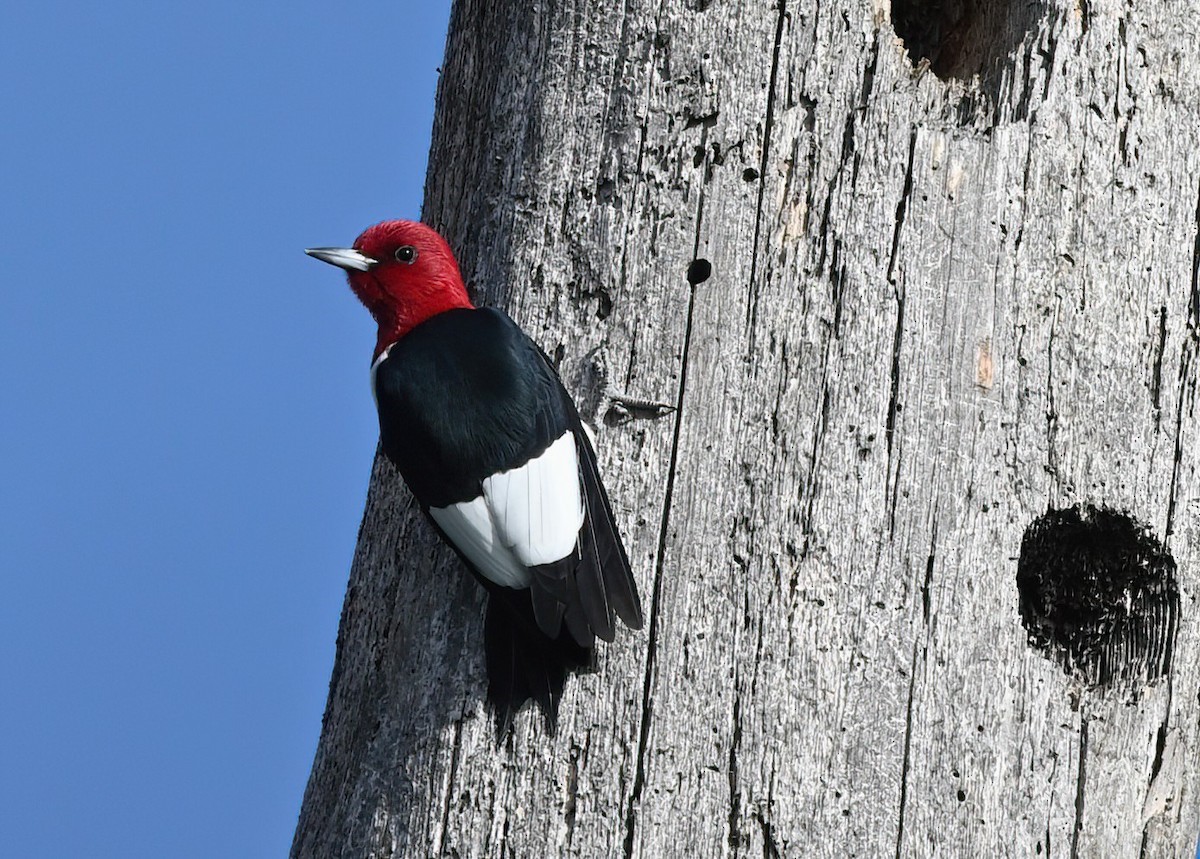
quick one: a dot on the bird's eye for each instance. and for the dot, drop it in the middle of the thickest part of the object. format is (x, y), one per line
(407, 254)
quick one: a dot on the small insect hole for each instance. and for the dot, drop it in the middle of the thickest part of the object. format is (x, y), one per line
(699, 271)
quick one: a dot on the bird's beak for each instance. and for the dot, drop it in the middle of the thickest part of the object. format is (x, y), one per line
(347, 258)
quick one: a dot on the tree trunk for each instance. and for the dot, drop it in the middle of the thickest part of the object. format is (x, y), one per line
(953, 285)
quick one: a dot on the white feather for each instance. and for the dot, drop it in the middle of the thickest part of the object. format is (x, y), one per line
(537, 509)
(375, 372)
(470, 527)
(526, 516)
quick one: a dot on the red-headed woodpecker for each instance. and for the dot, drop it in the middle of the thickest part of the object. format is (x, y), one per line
(475, 419)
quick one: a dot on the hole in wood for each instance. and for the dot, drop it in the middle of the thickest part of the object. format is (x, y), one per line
(1098, 594)
(963, 38)
(699, 271)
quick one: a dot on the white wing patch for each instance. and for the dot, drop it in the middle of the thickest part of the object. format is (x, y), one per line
(526, 516)
(470, 528)
(538, 508)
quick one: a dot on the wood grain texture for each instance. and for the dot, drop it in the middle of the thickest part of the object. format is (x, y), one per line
(938, 305)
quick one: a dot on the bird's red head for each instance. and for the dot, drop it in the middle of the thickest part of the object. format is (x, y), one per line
(403, 272)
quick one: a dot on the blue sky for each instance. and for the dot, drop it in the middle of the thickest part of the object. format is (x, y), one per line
(187, 428)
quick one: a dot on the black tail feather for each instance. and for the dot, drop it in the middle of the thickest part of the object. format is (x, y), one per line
(548, 608)
(523, 664)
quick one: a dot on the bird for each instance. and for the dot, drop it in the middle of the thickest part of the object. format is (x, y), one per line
(474, 416)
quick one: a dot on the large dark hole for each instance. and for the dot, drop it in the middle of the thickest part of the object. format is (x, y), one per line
(1098, 594)
(963, 38)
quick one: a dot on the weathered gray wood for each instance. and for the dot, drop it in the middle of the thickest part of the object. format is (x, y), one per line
(937, 305)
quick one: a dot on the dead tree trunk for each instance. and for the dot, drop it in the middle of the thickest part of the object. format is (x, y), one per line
(909, 277)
